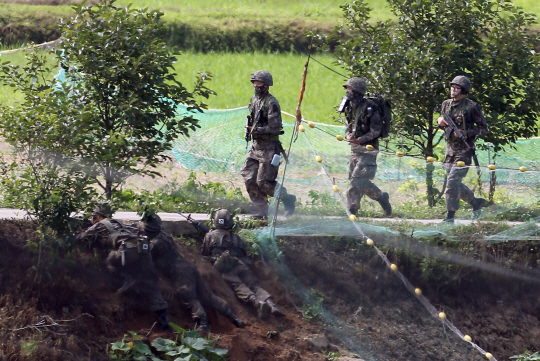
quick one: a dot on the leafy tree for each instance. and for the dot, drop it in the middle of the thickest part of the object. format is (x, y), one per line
(110, 113)
(413, 58)
(121, 72)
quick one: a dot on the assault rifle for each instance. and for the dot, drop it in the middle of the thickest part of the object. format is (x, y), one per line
(250, 122)
(453, 128)
(199, 225)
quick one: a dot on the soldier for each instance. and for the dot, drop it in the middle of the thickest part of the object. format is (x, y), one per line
(468, 116)
(130, 257)
(364, 126)
(264, 127)
(187, 282)
(227, 252)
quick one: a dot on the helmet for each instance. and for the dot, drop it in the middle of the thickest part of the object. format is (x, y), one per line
(463, 82)
(153, 224)
(264, 76)
(102, 208)
(223, 219)
(357, 84)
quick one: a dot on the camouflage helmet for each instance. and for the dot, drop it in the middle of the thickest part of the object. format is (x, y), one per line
(357, 84)
(223, 219)
(463, 82)
(264, 76)
(102, 208)
(152, 224)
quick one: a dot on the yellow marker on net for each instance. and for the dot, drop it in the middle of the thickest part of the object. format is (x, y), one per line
(352, 217)
(335, 188)
(523, 169)
(369, 242)
(467, 338)
(339, 137)
(430, 159)
(301, 128)
(311, 124)
(318, 158)
(418, 291)
(491, 167)
(399, 154)
(489, 356)
(369, 147)
(442, 315)
(393, 267)
(461, 163)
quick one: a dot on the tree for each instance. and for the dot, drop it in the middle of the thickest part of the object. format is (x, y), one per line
(412, 60)
(111, 114)
(123, 75)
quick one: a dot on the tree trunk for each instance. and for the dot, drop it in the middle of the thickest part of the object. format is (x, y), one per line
(108, 182)
(429, 166)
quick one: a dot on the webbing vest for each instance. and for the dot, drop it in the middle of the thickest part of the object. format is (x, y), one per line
(361, 117)
(263, 119)
(459, 114)
(222, 241)
(114, 234)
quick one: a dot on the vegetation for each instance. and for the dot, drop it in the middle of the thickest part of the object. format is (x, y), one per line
(486, 41)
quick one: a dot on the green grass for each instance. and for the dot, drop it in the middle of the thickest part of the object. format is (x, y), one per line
(232, 80)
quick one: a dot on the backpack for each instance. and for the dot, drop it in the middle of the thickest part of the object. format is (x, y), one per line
(385, 111)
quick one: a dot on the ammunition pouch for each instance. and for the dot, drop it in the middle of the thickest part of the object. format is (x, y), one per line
(143, 245)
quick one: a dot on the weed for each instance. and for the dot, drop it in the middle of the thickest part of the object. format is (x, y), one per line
(527, 356)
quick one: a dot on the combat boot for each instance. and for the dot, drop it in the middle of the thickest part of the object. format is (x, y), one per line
(477, 205)
(289, 201)
(384, 201)
(263, 308)
(163, 319)
(202, 325)
(238, 322)
(449, 217)
(274, 310)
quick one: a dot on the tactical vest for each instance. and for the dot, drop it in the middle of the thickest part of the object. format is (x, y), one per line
(117, 236)
(460, 114)
(226, 241)
(263, 119)
(361, 117)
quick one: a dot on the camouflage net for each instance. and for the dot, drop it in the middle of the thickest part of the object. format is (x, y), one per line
(318, 167)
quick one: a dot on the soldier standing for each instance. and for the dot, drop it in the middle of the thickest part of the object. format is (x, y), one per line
(469, 118)
(364, 126)
(264, 127)
(187, 282)
(130, 257)
(228, 253)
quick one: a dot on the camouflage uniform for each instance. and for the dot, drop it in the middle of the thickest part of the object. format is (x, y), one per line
(184, 277)
(258, 174)
(469, 117)
(363, 123)
(228, 253)
(138, 271)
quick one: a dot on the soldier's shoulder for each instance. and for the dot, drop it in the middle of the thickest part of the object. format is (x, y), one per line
(273, 104)
(470, 103)
(447, 101)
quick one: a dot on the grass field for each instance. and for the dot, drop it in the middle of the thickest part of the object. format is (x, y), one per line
(232, 80)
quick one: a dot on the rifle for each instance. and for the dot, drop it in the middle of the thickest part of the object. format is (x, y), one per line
(452, 127)
(250, 122)
(197, 224)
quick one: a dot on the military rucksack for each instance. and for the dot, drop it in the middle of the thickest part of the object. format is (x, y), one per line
(385, 111)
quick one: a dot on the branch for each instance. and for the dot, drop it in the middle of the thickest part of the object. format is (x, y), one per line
(46, 322)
